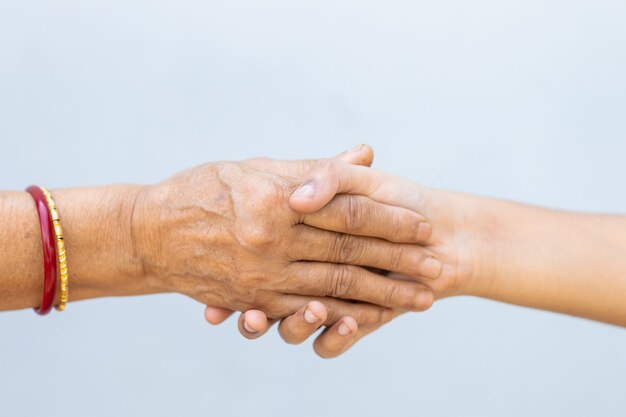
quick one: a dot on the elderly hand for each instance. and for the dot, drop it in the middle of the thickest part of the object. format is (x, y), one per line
(454, 242)
(225, 235)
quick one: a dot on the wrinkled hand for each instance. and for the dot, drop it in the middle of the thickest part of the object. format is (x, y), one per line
(224, 234)
(452, 244)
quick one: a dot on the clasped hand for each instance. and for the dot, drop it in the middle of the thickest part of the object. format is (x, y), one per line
(250, 236)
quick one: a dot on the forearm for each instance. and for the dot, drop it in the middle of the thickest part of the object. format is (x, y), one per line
(554, 260)
(99, 242)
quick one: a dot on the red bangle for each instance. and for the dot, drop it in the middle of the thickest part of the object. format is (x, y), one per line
(49, 250)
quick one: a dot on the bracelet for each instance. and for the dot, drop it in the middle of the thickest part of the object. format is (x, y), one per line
(61, 254)
(54, 254)
(49, 250)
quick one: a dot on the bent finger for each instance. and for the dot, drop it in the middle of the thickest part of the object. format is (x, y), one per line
(331, 344)
(216, 315)
(296, 328)
(336, 338)
(363, 313)
(253, 324)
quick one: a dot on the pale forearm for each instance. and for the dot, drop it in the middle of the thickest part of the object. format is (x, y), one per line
(546, 259)
(554, 260)
(98, 238)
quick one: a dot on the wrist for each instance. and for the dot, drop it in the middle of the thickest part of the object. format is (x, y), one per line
(479, 229)
(99, 239)
(165, 247)
(501, 243)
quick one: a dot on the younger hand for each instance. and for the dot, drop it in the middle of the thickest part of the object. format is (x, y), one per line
(456, 242)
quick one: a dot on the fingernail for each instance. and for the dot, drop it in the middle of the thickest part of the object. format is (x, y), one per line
(431, 268)
(248, 328)
(309, 317)
(306, 190)
(424, 232)
(343, 329)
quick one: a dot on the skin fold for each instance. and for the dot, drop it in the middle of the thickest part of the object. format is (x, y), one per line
(547, 259)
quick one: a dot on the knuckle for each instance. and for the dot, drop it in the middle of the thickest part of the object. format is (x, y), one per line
(415, 228)
(340, 282)
(391, 293)
(325, 168)
(396, 258)
(257, 236)
(327, 165)
(349, 249)
(269, 192)
(396, 224)
(363, 317)
(383, 315)
(356, 214)
(225, 169)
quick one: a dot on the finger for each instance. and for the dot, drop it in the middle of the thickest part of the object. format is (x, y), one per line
(253, 324)
(359, 215)
(320, 245)
(363, 313)
(331, 344)
(336, 338)
(360, 155)
(296, 328)
(332, 177)
(350, 282)
(216, 315)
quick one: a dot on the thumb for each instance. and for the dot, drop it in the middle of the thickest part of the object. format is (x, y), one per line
(332, 177)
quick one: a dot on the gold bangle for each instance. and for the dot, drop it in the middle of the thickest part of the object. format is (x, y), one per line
(61, 254)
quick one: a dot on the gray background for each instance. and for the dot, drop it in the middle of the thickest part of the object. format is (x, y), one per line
(522, 99)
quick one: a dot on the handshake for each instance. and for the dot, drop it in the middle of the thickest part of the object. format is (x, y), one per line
(313, 244)
(335, 243)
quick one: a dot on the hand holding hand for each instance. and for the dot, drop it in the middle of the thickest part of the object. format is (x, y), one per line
(455, 245)
(250, 250)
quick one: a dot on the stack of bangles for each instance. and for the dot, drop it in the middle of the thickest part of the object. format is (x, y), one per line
(54, 256)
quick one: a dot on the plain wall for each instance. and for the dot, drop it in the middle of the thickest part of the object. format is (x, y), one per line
(523, 100)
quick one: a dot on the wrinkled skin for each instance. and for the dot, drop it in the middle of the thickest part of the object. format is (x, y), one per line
(250, 250)
(453, 242)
